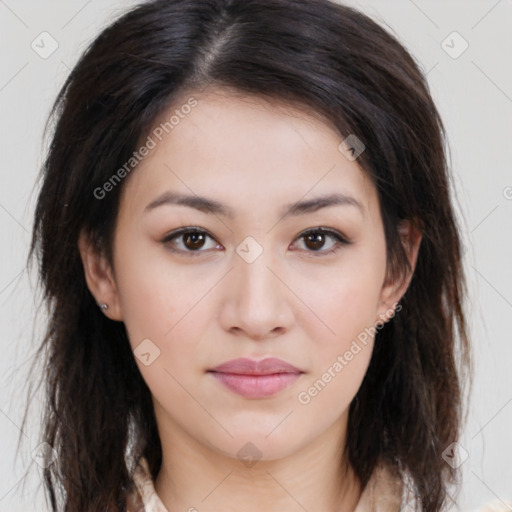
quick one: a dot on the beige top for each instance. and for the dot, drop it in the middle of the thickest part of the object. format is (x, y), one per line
(383, 493)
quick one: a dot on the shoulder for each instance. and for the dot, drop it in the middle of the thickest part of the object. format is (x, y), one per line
(385, 492)
(495, 506)
(382, 493)
(144, 491)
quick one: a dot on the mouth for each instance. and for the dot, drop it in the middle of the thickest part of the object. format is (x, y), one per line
(256, 379)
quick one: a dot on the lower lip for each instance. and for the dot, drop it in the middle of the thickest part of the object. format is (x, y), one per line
(256, 386)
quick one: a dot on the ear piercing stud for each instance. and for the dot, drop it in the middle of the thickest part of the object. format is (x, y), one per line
(104, 307)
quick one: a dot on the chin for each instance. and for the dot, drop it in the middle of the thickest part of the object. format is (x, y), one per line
(249, 445)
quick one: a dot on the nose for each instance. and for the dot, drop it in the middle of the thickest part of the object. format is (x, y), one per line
(257, 301)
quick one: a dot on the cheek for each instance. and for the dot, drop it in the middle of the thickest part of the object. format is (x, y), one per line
(153, 295)
(343, 351)
(328, 394)
(165, 313)
(352, 306)
(343, 301)
(342, 342)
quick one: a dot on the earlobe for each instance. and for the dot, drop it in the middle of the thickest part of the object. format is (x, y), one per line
(392, 292)
(99, 278)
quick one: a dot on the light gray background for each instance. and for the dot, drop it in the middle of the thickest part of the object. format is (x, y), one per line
(474, 95)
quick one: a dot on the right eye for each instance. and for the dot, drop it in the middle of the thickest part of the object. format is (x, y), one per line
(189, 240)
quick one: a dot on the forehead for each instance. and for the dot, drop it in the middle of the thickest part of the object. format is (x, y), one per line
(246, 151)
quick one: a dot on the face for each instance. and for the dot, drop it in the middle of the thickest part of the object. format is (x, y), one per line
(267, 270)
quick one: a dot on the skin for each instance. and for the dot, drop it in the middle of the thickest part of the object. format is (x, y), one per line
(291, 302)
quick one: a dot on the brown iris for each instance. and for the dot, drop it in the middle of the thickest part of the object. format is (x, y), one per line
(196, 240)
(318, 240)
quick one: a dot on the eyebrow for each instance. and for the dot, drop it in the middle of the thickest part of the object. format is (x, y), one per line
(207, 205)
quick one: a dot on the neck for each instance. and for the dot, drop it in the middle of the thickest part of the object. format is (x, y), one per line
(315, 477)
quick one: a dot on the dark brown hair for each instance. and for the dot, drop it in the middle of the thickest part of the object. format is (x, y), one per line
(326, 58)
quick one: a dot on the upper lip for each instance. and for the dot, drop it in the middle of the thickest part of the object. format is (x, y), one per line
(244, 366)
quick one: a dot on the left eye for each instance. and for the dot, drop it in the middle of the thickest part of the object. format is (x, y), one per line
(316, 239)
(193, 240)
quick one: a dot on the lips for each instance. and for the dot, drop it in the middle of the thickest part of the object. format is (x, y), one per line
(244, 366)
(256, 379)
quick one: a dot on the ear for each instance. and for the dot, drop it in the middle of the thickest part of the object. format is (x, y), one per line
(99, 278)
(393, 291)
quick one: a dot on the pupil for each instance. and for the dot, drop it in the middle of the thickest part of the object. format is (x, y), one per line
(317, 244)
(194, 237)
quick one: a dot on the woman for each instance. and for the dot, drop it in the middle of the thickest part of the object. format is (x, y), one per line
(253, 267)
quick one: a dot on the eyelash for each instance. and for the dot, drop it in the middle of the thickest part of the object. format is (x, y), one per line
(340, 240)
